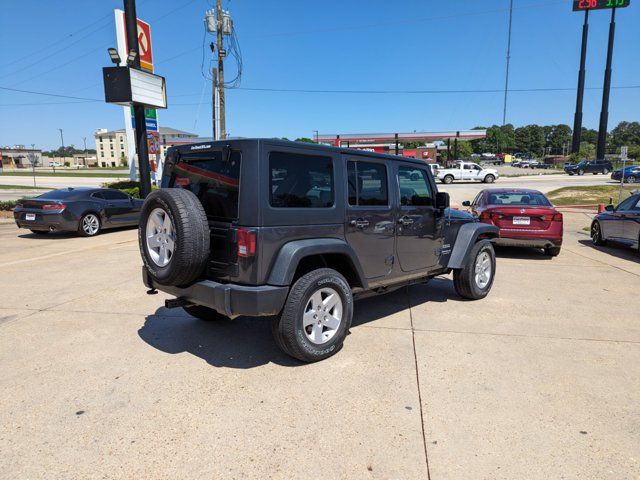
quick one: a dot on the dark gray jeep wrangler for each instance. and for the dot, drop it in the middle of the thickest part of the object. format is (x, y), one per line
(296, 231)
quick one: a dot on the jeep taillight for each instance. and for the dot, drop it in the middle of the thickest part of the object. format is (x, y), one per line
(246, 243)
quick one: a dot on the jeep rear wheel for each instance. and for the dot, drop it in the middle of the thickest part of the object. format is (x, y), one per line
(316, 317)
(173, 236)
(476, 278)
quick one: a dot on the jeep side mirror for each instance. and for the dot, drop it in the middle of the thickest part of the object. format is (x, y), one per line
(466, 203)
(609, 208)
(442, 200)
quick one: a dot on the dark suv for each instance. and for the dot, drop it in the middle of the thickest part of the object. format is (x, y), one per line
(296, 231)
(589, 166)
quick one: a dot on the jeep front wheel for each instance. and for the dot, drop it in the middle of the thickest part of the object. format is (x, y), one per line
(316, 317)
(475, 280)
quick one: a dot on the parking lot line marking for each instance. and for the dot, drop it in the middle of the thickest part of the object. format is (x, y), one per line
(548, 337)
(415, 360)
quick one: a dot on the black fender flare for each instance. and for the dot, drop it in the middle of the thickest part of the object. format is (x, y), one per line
(286, 262)
(467, 237)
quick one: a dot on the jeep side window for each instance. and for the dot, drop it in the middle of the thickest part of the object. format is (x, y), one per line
(300, 181)
(414, 187)
(367, 184)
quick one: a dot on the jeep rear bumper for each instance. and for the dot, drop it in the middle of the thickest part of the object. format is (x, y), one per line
(228, 299)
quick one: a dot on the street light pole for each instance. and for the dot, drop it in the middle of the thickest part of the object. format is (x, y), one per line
(84, 160)
(61, 151)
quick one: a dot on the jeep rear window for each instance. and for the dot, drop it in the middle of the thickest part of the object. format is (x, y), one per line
(215, 181)
(300, 181)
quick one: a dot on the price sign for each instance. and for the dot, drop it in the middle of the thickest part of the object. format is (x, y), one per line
(580, 5)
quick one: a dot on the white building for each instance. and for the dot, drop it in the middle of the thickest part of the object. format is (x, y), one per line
(111, 145)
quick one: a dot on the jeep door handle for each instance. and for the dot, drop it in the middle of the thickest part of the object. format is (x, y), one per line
(359, 223)
(404, 221)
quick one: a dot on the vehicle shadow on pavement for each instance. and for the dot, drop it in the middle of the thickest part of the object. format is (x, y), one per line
(66, 235)
(521, 253)
(244, 342)
(618, 251)
(374, 308)
(48, 236)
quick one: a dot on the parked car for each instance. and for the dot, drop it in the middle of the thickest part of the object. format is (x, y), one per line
(589, 166)
(84, 210)
(55, 164)
(79, 165)
(631, 174)
(466, 171)
(526, 218)
(620, 224)
(294, 231)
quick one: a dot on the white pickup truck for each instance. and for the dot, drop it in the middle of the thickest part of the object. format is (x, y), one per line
(466, 171)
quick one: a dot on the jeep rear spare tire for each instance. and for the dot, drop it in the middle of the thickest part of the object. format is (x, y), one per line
(173, 235)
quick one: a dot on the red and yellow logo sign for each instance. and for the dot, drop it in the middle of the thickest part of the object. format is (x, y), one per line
(144, 44)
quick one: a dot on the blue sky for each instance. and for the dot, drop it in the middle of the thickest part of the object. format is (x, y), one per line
(328, 45)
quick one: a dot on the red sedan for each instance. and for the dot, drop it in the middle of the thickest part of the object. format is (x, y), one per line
(526, 218)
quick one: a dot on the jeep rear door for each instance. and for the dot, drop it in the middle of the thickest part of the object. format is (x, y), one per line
(370, 226)
(417, 243)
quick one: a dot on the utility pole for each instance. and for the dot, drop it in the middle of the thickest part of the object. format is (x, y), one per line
(577, 119)
(214, 102)
(604, 112)
(131, 29)
(221, 54)
(506, 81)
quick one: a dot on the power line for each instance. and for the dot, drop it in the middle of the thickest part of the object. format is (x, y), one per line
(358, 92)
(425, 92)
(47, 94)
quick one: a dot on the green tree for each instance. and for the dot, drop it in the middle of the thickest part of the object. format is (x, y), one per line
(464, 149)
(499, 139)
(558, 138)
(589, 135)
(530, 139)
(305, 140)
(587, 152)
(626, 134)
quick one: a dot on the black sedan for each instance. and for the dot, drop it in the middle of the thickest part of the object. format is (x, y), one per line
(83, 210)
(620, 224)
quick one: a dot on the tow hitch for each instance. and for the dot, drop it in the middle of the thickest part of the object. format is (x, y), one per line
(176, 303)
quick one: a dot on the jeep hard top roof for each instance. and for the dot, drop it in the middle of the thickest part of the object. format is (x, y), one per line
(239, 143)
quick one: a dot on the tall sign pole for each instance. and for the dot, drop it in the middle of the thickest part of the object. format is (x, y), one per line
(131, 28)
(586, 5)
(604, 112)
(577, 119)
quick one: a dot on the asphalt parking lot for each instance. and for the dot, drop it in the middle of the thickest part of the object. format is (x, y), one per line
(539, 380)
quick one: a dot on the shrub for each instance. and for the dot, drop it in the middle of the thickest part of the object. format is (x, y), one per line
(7, 205)
(127, 186)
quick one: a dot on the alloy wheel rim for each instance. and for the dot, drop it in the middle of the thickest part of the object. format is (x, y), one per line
(322, 315)
(483, 270)
(90, 224)
(160, 237)
(595, 232)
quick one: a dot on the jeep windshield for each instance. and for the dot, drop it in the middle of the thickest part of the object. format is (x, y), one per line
(214, 176)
